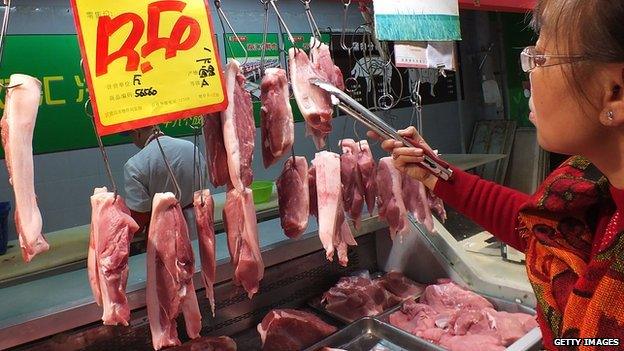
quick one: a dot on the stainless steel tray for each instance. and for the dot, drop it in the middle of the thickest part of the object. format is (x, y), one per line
(530, 341)
(367, 333)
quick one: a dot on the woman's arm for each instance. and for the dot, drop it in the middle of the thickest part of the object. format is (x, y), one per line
(492, 206)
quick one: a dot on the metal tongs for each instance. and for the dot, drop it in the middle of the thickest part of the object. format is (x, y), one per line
(351, 107)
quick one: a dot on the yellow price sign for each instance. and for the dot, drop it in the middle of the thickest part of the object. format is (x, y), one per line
(148, 62)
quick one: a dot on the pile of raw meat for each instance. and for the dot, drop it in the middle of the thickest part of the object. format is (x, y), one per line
(460, 320)
(292, 330)
(221, 343)
(360, 296)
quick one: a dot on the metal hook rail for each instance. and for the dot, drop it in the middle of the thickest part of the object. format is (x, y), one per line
(109, 172)
(222, 18)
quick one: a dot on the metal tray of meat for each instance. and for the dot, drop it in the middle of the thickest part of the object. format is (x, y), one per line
(317, 305)
(530, 341)
(368, 334)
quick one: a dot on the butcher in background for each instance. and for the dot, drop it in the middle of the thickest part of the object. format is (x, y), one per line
(146, 174)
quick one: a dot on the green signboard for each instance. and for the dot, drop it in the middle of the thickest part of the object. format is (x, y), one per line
(61, 123)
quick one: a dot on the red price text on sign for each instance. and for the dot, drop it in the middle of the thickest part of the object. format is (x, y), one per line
(159, 47)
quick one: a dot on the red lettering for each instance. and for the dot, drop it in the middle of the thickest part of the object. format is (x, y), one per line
(174, 43)
(106, 28)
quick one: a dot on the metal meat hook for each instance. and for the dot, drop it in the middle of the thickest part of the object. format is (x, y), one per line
(283, 24)
(222, 18)
(197, 130)
(314, 29)
(178, 191)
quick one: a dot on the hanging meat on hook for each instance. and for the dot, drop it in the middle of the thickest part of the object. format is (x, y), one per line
(293, 195)
(18, 124)
(315, 104)
(277, 124)
(390, 198)
(352, 187)
(323, 63)
(368, 171)
(239, 129)
(112, 229)
(170, 268)
(215, 150)
(203, 205)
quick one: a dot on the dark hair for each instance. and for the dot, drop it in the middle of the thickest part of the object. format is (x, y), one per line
(591, 28)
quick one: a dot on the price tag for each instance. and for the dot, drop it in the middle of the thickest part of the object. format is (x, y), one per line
(148, 62)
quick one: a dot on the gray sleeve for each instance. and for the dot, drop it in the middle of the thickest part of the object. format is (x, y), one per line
(138, 198)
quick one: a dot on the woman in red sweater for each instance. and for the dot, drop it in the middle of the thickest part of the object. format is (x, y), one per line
(571, 229)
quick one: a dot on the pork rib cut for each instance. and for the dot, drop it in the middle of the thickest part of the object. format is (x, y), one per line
(390, 197)
(352, 187)
(293, 196)
(314, 103)
(329, 198)
(239, 129)
(292, 330)
(170, 269)
(203, 205)
(368, 172)
(239, 217)
(277, 124)
(18, 125)
(112, 229)
(215, 150)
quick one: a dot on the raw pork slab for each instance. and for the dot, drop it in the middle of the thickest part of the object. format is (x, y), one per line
(18, 125)
(112, 229)
(417, 202)
(390, 197)
(215, 150)
(323, 63)
(170, 269)
(277, 123)
(400, 285)
(343, 236)
(291, 330)
(329, 198)
(312, 191)
(368, 172)
(221, 343)
(203, 206)
(239, 217)
(239, 129)
(314, 103)
(293, 196)
(352, 187)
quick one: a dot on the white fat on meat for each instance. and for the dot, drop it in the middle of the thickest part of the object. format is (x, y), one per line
(368, 172)
(112, 229)
(239, 217)
(170, 269)
(352, 187)
(239, 129)
(390, 197)
(292, 330)
(18, 125)
(293, 196)
(329, 198)
(203, 205)
(417, 202)
(277, 123)
(215, 150)
(314, 103)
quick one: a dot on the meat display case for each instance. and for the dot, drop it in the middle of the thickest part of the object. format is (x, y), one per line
(297, 271)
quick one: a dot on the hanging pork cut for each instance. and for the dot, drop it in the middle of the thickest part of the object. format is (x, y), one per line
(321, 56)
(343, 236)
(239, 217)
(292, 330)
(368, 171)
(312, 191)
(293, 196)
(437, 205)
(314, 103)
(417, 202)
(18, 124)
(277, 124)
(215, 150)
(170, 269)
(390, 197)
(352, 187)
(112, 229)
(239, 129)
(203, 206)
(329, 198)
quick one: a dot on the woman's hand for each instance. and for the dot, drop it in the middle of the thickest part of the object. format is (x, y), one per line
(407, 159)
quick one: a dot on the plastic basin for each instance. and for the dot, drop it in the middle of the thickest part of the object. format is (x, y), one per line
(262, 190)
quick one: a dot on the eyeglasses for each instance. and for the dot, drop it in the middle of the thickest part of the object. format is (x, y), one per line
(530, 59)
